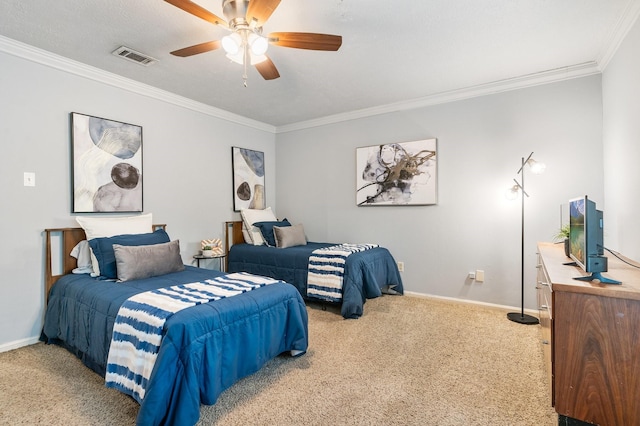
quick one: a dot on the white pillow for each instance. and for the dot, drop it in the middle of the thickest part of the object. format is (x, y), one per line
(99, 227)
(246, 235)
(82, 253)
(251, 216)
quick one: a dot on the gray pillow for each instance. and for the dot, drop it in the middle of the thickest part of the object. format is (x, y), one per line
(137, 262)
(289, 236)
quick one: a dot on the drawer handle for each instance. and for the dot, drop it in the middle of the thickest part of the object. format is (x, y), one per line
(545, 342)
(544, 307)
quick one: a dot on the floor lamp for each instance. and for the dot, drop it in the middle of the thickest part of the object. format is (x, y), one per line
(536, 168)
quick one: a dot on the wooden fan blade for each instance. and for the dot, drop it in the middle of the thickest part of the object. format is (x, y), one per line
(198, 11)
(198, 48)
(259, 11)
(267, 69)
(311, 41)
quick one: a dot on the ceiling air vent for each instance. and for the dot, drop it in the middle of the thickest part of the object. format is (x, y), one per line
(134, 56)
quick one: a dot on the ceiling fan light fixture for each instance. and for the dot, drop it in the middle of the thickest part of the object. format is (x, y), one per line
(256, 59)
(258, 44)
(232, 43)
(238, 58)
(245, 44)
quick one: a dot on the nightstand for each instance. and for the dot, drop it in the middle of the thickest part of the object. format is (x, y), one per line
(220, 257)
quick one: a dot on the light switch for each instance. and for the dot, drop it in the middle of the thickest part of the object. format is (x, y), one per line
(29, 179)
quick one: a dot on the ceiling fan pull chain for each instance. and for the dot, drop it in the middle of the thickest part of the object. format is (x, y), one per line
(246, 58)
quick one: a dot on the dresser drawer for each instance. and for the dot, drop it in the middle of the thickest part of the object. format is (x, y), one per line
(545, 311)
(543, 287)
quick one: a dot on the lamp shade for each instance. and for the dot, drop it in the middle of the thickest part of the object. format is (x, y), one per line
(238, 58)
(231, 43)
(536, 166)
(512, 193)
(258, 44)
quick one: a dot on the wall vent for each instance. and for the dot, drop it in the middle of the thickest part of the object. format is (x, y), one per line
(134, 56)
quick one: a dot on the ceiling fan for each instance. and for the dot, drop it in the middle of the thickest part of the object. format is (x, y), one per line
(246, 44)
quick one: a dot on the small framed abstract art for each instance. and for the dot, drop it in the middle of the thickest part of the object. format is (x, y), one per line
(248, 179)
(397, 174)
(106, 165)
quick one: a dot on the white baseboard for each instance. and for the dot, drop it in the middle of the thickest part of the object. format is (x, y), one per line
(18, 344)
(533, 312)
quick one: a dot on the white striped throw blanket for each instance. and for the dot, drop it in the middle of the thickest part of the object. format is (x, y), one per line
(138, 328)
(326, 270)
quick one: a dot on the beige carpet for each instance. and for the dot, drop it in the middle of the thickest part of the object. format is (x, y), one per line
(407, 361)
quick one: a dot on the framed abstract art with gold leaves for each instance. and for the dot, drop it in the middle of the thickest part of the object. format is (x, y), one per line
(397, 174)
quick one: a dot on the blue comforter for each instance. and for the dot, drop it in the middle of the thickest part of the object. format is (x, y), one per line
(205, 350)
(366, 275)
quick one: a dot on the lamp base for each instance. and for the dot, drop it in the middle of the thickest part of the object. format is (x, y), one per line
(522, 318)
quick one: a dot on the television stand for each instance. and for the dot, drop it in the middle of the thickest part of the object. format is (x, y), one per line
(590, 340)
(597, 276)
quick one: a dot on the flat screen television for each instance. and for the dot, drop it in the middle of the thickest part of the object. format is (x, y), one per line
(586, 239)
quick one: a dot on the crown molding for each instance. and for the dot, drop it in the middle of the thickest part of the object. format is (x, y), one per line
(52, 60)
(620, 31)
(536, 79)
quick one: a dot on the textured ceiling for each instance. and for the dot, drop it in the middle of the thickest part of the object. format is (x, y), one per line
(393, 52)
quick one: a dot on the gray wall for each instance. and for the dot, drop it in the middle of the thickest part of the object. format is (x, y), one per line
(481, 142)
(187, 173)
(621, 99)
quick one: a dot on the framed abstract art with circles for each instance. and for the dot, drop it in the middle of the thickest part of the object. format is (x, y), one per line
(106, 165)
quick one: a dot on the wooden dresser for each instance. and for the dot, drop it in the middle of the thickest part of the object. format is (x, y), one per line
(593, 331)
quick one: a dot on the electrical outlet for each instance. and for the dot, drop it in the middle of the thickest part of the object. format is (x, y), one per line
(472, 275)
(479, 275)
(400, 266)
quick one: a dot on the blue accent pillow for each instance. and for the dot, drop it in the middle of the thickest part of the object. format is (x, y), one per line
(103, 248)
(266, 229)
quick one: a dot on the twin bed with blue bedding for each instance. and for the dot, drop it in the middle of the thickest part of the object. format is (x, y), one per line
(366, 274)
(204, 348)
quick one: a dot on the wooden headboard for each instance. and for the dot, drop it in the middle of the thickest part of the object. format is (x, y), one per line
(235, 237)
(232, 235)
(69, 238)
